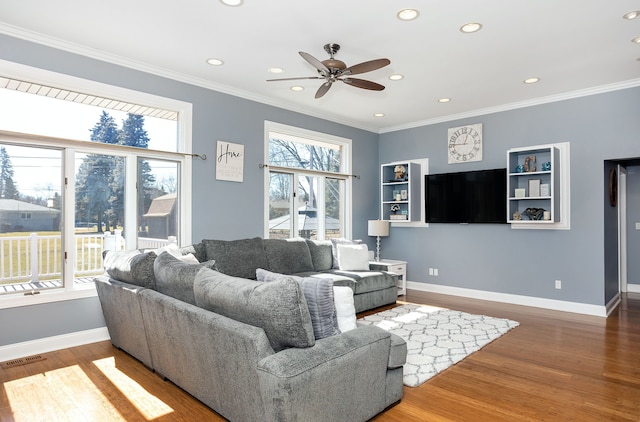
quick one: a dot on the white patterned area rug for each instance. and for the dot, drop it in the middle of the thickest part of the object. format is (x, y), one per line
(437, 338)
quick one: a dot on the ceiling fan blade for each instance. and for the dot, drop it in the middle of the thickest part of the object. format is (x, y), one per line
(361, 83)
(365, 67)
(324, 70)
(294, 79)
(323, 89)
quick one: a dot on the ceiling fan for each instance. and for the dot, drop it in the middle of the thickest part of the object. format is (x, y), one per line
(332, 70)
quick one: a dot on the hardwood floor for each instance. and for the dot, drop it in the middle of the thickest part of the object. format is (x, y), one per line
(554, 367)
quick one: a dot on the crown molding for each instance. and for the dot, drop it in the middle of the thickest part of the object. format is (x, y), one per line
(82, 50)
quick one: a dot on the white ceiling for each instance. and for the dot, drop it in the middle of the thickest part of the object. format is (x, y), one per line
(575, 47)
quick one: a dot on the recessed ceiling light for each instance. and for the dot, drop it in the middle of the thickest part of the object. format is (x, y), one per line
(378, 115)
(470, 27)
(631, 15)
(408, 14)
(215, 62)
(297, 88)
(444, 100)
(396, 77)
(231, 2)
(275, 70)
(531, 80)
(636, 40)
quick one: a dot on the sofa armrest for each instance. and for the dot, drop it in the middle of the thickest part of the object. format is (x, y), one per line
(340, 378)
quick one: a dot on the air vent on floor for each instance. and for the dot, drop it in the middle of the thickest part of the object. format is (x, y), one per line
(21, 361)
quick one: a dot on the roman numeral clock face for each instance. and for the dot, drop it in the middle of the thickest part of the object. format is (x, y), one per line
(465, 144)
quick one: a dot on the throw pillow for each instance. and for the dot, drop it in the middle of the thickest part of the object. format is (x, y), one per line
(318, 292)
(131, 266)
(353, 257)
(288, 256)
(175, 277)
(279, 307)
(334, 248)
(238, 258)
(345, 308)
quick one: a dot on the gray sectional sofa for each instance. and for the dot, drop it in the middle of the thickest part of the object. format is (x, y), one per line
(246, 348)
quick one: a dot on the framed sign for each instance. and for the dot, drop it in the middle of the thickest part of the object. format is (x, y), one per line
(229, 161)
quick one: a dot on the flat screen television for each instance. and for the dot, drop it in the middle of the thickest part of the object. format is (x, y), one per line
(467, 197)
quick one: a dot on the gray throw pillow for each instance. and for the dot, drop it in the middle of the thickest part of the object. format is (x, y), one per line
(131, 266)
(334, 248)
(318, 292)
(238, 258)
(288, 256)
(279, 308)
(321, 255)
(175, 277)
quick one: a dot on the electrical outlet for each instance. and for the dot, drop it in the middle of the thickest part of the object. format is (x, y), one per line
(558, 284)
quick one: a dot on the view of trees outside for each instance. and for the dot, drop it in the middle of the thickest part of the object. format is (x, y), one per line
(309, 203)
(99, 199)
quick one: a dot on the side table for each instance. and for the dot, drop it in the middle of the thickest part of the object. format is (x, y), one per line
(393, 266)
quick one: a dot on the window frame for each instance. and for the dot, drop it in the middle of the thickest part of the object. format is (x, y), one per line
(312, 136)
(70, 147)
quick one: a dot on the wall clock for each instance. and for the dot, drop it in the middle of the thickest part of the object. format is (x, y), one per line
(464, 144)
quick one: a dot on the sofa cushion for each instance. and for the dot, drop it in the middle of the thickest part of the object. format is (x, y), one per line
(197, 249)
(287, 256)
(131, 266)
(279, 307)
(175, 277)
(362, 281)
(318, 293)
(238, 258)
(334, 248)
(321, 255)
(353, 257)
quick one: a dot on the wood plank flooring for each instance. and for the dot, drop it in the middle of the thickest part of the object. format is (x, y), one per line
(554, 367)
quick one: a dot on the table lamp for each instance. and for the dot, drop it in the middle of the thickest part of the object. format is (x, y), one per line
(378, 228)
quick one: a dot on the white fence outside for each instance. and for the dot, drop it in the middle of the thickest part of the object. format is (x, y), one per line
(34, 258)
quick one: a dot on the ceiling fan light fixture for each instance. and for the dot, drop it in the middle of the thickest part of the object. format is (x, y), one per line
(408, 14)
(471, 27)
(396, 77)
(531, 80)
(232, 3)
(631, 15)
(215, 62)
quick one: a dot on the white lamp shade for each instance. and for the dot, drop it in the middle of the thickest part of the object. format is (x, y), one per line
(378, 228)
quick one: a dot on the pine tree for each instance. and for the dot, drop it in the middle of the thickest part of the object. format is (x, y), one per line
(8, 189)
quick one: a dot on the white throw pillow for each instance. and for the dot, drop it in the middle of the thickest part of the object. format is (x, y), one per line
(353, 257)
(345, 308)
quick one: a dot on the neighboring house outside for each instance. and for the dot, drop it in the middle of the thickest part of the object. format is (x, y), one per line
(161, 219)
(19, 216)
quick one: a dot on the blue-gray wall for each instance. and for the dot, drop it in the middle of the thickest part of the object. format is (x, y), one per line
(491, 258)
(496, 258)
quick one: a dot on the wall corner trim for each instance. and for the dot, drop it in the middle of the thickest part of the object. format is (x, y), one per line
(536, 302)
(49, 344)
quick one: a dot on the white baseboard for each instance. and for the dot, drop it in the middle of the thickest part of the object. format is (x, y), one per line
(633, 288)
(48, 344)
(536, 302)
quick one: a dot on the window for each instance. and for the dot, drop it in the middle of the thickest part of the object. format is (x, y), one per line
(308, 178)
(80, 177)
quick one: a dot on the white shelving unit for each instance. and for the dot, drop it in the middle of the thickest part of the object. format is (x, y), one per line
(540, 187)
(404, 192)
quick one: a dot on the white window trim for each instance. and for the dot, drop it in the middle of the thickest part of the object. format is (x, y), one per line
(185, 114)
(313, 136)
